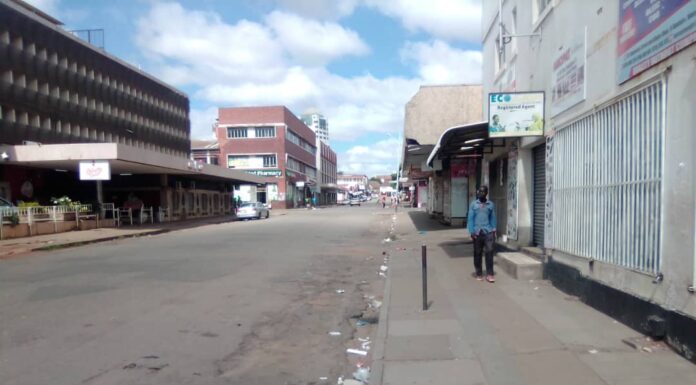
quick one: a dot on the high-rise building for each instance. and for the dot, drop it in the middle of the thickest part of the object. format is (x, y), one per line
(317, 122)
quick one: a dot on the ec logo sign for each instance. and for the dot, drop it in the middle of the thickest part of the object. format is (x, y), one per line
(499, 98)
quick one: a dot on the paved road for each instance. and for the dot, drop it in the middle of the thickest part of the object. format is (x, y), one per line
(243, 302)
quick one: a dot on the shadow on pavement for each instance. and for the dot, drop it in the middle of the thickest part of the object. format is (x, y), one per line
(423, 222)
(458, 248)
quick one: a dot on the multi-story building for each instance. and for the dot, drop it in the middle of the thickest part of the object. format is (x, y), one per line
(274, 144)
(326, 162)
(65, 103)
(429, 113)
(609, 189)
(353, 182)
(317, 122)
(58, 89)
(205, 151)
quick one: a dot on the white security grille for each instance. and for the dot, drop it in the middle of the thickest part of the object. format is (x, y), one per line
(607, 177)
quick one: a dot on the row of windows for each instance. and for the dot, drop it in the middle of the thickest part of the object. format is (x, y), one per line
(251, 132)
(91, 103)
(252, 161)
(52, 57)
(70, 129)
(295, 165)
(294, 138)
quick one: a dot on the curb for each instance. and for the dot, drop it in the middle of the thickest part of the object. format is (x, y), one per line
(115, 237)
(378, 353)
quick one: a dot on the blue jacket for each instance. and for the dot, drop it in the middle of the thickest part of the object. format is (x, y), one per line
(481, 217)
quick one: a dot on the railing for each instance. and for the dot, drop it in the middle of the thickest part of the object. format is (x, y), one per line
(35, 214)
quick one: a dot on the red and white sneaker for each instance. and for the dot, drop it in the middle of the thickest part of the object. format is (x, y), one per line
(490, 278)
(479, 278)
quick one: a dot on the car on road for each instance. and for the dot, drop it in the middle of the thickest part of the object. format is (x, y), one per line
(252, 210)
(354, 202)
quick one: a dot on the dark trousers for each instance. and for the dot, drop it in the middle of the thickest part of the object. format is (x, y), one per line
(484, 243)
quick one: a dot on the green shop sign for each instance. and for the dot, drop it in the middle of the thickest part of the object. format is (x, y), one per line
(265, 172)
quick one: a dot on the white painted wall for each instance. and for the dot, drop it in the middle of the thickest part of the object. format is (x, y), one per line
(532, 64)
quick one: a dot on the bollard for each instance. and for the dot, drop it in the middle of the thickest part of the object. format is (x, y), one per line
(424, 264)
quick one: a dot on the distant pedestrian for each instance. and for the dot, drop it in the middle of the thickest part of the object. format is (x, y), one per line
(384, 201)
(481, 223)
(314, 201)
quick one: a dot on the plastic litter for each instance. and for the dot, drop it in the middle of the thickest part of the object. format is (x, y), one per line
(335, 334)
(593, 351)
(340, 291)
(384, 268)
(340, 380)
(362, 374)
(362, 323)
(323, 378)
(382, 274)
(356, 351)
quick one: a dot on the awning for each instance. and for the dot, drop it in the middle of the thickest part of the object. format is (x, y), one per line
(460, 140)
(122, 159)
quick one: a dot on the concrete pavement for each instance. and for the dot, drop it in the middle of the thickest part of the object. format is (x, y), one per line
(510, 332)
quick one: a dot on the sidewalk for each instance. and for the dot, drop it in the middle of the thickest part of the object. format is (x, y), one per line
(18, 246)
(510, 332)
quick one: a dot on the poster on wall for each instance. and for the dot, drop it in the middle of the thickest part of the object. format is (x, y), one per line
(515, 114)
(651, 31)
(568, 74)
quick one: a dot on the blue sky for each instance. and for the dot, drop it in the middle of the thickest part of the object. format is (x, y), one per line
(358, 62)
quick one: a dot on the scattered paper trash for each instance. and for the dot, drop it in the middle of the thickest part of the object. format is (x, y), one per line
(340, 380)
(383, 268)
(382, 274)
(647, 349)
(356, 351)
(340, 291)
(323, 378)
(593, 351)
(362, 374)
(536, 288)
(335, 334)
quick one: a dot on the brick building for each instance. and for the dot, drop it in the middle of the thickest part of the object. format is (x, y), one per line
(270, 142)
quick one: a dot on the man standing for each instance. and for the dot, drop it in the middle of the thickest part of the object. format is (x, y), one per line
(481, 224)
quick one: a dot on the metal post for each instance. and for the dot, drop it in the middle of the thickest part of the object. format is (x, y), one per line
(424, 264)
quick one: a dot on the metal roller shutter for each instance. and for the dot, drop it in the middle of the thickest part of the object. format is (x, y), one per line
(539, 153)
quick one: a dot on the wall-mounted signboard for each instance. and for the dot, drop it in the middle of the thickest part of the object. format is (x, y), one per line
(95, 170)
(515, 114)
(651, 31)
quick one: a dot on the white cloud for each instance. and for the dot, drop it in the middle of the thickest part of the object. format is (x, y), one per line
(445, 19)
(320, 9)
(314, 43)
(439, 63)
(202, 121)
(378, 158)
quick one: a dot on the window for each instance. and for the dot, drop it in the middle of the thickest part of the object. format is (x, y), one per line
(237, 132)
(269, 161)
(606, 179)
(292, 137)
(265, 132)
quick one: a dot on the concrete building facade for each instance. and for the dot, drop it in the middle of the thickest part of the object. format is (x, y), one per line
(270, 142)
(429, 113)
(328, 171)
(608, 190)
(318, 123)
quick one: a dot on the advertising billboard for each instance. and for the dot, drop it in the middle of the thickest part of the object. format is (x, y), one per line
(515, 114)
(568, 75)
(652, 31)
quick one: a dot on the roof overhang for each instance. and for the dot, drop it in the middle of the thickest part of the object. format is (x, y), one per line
(122, 159)
(468, 139)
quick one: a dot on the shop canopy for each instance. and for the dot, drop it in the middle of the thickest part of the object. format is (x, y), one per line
(463, 140)
(123, 159)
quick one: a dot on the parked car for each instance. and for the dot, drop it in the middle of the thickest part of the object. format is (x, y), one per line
(354, 202)
(253, 210)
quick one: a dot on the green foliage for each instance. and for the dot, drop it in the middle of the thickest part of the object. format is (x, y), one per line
(23, 204)
(64, 201)
(14, 219)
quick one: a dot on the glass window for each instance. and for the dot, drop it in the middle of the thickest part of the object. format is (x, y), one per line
(237, 132)
(265, 132)
(269, 161)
